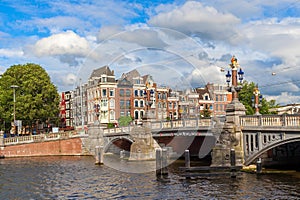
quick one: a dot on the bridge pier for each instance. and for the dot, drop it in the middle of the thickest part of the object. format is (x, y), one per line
(229, 136)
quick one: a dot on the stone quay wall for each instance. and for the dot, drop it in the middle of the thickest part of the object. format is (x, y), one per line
(62, 147)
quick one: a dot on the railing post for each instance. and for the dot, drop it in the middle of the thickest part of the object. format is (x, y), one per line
(232, 163)
(164, 162)
(99, 155)
(187, 158)
(259, 120)
(259, 141)
(258, 166)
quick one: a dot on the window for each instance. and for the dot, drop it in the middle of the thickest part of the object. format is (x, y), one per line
(142, 113)
(141, 103)
(122, 104)
(127, 103)
(128, 93)
(141, 93)
(136, 114)
(112, 115)
(121, 93)
(103, 103)
(111, 93)
(112, 103)
(104, 93)
(159, 95)
(136, 103)
(104, 79)
(206, 97)
(136, 93)
(159, 105)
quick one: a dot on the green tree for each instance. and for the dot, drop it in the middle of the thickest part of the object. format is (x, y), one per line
(36, 97)
(125, 120)
(246, 95)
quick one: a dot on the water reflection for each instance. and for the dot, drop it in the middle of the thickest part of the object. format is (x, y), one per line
(79, 178)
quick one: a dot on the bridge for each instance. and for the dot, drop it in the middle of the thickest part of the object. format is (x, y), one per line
(261, 133)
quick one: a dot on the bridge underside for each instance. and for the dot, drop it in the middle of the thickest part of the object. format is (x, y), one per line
(284, 156)
(118, 145)
(199, 146)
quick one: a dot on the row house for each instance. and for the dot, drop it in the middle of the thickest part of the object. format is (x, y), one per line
(205, 101)
(66, 106)
(173, 105)
(79, 109)
(220, 98)
(101, 90)
(162, 111)
(104, 99)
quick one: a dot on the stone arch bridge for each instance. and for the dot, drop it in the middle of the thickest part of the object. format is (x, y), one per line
(261, 134)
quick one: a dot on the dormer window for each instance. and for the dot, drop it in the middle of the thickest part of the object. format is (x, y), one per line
(206, 97)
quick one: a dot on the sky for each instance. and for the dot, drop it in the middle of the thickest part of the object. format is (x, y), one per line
(181, 43)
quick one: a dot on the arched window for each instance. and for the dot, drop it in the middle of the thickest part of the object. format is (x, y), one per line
(136, 114)
(141, 103)
(112, 115)
(136, 103)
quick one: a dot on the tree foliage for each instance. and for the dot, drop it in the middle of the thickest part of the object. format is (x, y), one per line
(125, 120)
(246, 95)
(36, 97)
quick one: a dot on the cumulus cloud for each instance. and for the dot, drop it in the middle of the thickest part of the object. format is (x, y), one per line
(278, 38)
(193, 18)
(142, 36)
(284, 98)
(11, 53)
(68, 46)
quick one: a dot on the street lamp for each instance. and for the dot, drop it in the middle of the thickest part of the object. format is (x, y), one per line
(14, 96)
(235, 76)
(256, 100)
(148, 101)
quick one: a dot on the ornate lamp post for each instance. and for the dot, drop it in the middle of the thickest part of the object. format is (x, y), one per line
(148, 96)
(234, 88)
(256, 100)
(230, 138)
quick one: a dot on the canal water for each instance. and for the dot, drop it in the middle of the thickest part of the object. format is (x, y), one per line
(80, 178)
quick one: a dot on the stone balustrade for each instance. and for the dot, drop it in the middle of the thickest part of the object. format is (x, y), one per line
(163, 125)
(270, 120)
(38, 138)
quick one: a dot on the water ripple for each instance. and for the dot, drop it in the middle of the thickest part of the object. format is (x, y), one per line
(78, 178)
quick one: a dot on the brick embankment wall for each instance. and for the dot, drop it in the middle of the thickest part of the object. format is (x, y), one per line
(70, 147)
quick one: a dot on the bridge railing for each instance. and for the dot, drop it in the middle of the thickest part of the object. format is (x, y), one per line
(39, 138)
(270, 120)
(161, 125)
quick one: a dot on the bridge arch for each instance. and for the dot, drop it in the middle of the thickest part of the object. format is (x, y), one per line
(256, 155)
(112, 142)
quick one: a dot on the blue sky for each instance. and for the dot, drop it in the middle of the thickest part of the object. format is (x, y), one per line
(182, 43)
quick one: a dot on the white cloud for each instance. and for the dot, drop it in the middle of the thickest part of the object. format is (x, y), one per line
(193, 18)
(11, 53)
(284, 98)
(68, 46)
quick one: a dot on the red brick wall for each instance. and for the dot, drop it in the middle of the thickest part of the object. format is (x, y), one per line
(59, 147)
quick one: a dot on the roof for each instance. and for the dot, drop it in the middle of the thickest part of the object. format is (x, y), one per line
(100, 71)
(131, 75)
